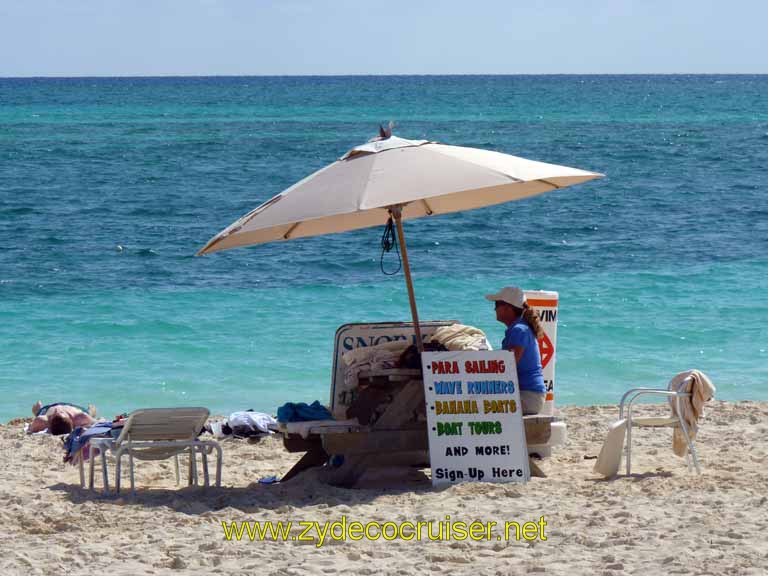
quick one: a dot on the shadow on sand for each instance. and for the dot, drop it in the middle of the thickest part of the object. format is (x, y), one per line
(634, 477)
(304, 490)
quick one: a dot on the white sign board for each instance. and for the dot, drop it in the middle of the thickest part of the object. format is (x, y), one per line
(475, 420)
(545, 303)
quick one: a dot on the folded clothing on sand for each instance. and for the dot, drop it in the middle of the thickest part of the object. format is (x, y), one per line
(300, 412)
(243, 424)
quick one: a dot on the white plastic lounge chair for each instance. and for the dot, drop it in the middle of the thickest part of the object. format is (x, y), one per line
(158, 434)
(609, 460)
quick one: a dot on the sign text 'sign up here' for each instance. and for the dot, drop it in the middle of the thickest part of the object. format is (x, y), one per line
(475, 421)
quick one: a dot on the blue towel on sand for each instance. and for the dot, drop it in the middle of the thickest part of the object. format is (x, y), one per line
(301, 412)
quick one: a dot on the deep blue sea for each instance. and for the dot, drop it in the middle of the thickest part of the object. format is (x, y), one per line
(108, 187)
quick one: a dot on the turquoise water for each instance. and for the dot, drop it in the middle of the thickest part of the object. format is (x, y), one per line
(109, 186)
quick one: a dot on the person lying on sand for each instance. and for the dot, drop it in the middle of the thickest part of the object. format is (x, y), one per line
(59, 418)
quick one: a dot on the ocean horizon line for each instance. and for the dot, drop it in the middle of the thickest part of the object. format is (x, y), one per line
(394, 75)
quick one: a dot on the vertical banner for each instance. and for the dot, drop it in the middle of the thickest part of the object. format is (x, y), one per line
(474, 417)
(545, 303)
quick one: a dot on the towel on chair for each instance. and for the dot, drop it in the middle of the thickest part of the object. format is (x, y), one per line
(701, 390)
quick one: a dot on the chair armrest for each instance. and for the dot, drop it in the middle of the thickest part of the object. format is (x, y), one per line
(102, 441)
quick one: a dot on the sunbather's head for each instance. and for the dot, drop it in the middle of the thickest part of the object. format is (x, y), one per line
(59, 424)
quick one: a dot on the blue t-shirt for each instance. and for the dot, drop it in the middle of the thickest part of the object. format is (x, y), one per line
(529, 373)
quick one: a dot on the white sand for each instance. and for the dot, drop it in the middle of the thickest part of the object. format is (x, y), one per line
(663, 520)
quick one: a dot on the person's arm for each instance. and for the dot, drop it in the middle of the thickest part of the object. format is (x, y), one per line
(518, 350)
(513, 342)
(82, 419)
(38, 425)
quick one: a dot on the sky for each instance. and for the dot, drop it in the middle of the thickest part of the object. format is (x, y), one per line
(339, 37)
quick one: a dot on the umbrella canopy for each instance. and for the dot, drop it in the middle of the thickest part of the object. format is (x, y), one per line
(423, 178)
(399, 179)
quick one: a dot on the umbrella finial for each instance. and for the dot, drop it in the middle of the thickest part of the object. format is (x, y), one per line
(384, 132)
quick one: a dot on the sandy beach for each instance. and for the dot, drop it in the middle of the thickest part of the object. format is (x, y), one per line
(662, 520)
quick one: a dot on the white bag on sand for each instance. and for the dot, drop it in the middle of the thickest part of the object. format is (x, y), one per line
(609, 460)
(251, 421)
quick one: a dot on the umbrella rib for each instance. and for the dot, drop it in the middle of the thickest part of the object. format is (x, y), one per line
(550, 183)
(290, 230)
(428, 207)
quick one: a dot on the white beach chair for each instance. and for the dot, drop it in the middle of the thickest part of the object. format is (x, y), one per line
(158, 434)
(609, 460)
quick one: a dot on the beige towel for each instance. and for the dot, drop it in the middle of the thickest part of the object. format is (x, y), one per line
(365, 353)
(461, 337)
(702, 390)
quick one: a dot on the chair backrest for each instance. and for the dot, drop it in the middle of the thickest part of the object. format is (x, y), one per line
(682, 388)
(164, 424)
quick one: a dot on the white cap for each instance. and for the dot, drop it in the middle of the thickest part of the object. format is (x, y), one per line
(509, 294)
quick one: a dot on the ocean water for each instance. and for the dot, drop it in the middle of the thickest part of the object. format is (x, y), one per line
(109, 186)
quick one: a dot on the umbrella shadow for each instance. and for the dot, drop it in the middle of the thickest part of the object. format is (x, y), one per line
(197, 500)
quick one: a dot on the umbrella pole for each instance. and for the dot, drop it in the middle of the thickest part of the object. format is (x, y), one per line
(396, 212)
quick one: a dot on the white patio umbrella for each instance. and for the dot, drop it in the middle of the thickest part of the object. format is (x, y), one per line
(394, 178)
